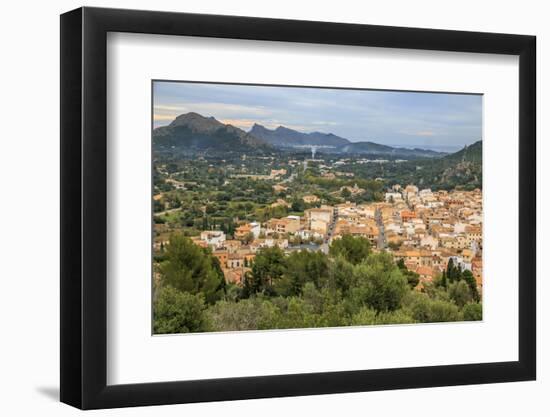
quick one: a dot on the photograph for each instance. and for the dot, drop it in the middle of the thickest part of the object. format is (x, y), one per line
(292, 207)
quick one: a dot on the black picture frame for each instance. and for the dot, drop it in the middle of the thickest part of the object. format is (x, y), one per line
(84, 207)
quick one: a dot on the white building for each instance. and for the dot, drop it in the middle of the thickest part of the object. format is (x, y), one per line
(460, 227)
(255, 229)
(461, 262)
(213, 238)
(394, 196)
(323, 214)
(425, 193)
(429, 242)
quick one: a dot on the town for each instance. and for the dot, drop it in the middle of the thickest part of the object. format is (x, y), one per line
(423, 228)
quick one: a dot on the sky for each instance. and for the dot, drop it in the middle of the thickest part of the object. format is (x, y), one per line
(438, 121)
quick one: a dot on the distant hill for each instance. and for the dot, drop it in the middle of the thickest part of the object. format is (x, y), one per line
(371, 148)
(461, 169)
(366, 147)
(285, 137)
(192, 132)
(471, 153)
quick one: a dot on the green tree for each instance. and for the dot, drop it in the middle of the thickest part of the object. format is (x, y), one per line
(367, 316)
(298, 315)
(423, 309)
(313, 298)
(459, 292)
(267, 268)
(468, 277)
(178, 312)
(419, 305)
(339, 275)
(249, 237)
(473, 312)
(217, 267)
(345, 193)
(302, 267)
(412, 277)
(189, 268)
(443, 280)
(157, 206)
(298, 205)
(353, 249)
(380, 284)
(441, 311)
(453, 272)
(251, 314)
(230, 227)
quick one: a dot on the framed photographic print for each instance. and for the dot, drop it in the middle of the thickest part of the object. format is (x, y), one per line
(257, 208)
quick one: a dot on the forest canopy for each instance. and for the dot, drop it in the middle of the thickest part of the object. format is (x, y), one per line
(350, 286)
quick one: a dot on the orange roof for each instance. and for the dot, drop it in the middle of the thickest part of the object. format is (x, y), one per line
(424, 270)
(244, 228)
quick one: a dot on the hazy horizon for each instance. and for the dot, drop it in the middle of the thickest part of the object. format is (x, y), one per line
(437, 121)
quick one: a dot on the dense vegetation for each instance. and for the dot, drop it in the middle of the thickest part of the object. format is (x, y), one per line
(349, 286)
(462, 169)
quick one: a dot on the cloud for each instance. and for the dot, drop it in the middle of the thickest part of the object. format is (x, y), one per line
(159, 117)
(218, 110)
(325, 123)
(246, 124)
(387, 117)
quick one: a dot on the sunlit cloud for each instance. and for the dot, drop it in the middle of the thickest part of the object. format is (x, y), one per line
(247, 124)
(163, 112)
(421, 133)
(159, 117)
(325, 123)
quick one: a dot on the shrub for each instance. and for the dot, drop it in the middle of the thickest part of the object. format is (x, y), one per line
(473, 312)
(178, 312)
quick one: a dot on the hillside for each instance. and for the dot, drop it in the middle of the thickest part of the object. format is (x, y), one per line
(285, 137)
(461, 169)
(472, 153)
(192, 132)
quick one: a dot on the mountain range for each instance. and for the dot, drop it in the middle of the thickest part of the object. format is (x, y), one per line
(192, 132)
(285, 137)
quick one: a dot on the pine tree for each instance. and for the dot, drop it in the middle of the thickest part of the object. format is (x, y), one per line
(450, 270)
(443, 281)
(468, 277)
(189, 268)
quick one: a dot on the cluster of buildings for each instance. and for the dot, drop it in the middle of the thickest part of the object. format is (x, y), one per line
(423, 228)
(320, 225)
(426, 229)
(236, 255)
